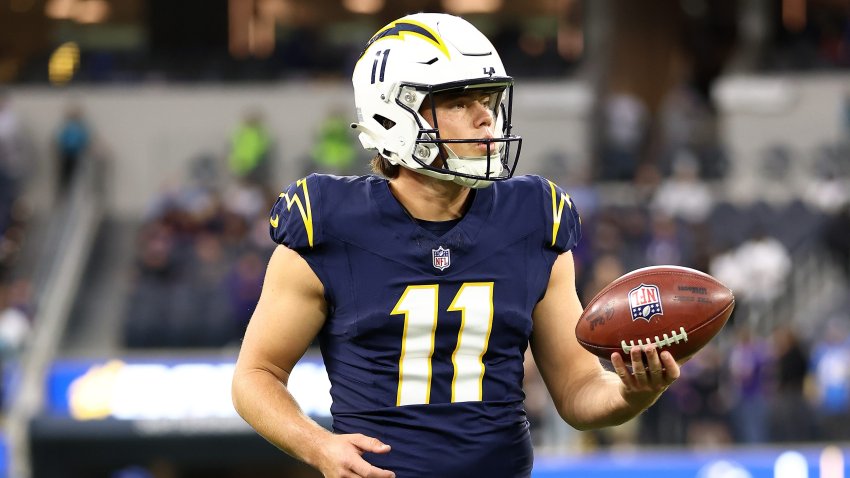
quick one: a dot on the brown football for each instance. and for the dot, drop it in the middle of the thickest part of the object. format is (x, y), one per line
(676, 308)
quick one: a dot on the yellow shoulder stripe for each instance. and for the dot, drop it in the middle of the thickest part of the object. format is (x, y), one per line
(557, 210)
(304, 209)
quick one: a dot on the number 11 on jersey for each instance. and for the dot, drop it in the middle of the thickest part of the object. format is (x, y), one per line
(420, 307)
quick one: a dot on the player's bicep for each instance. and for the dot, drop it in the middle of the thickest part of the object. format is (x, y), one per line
(288, 316)
(562, 362)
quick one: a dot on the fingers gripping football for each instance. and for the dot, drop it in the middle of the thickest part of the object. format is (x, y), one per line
(651, 372)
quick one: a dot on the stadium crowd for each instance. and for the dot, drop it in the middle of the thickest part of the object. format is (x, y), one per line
(203, 244)
(15, 307)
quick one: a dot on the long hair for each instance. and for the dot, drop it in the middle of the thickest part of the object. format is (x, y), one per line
(381, 165)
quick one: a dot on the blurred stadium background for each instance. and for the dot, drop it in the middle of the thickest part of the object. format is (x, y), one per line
(142, 143)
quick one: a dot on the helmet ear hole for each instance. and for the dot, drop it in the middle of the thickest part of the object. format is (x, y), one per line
(384, 121)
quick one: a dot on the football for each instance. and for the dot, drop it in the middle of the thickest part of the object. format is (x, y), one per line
(676, 308)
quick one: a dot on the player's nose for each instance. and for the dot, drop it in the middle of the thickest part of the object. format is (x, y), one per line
(482, 114)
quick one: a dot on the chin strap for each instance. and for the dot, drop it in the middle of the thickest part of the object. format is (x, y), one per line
(469, 165)
(471, 183)
(474, 165)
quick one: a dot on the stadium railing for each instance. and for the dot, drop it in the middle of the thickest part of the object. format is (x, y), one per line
(64, 250)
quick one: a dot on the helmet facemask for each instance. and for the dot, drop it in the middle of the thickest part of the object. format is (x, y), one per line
(499, 161)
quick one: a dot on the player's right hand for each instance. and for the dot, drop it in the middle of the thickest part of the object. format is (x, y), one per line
(342, 457)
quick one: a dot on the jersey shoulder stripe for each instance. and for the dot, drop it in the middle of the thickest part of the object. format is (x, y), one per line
(559, 199)
(293, 220)
(563, 223)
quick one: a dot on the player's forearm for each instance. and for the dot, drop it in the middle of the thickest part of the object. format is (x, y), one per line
(599, 402)
(265, 403)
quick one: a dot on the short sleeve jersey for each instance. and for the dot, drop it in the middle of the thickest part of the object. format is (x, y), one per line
(425, 335)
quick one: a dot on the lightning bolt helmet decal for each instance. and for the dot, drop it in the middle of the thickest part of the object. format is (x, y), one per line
(402, 28)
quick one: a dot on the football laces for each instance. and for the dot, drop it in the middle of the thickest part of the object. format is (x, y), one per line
(660, 343)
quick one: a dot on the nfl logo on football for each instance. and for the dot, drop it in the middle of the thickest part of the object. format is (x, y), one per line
(442, 258)
(645, 302)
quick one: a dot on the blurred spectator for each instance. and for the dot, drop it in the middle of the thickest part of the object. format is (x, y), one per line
(634, 225)
(13, 163)
(625, 130)
(200, 315)
(233, 230)
(683, 195)
(700, 399)
(748, 364)
(724, 267)
(605, 269)
(250, 149)
(790, 414)
(13, 221)
(72, 143)
(668, 244)
(14, 323)
(258, 235)
(14, 331)
(577, 181)
(775, 162)
(246, 200)
(13, 166)
(829, 194)
(179, 298)
(536, 399)
(607, 235)
(836, 236)
(689, 127)
(334, 151)
(663, 423)
(831, 372)
(147, 309)
(646, 181)
(201, 263)
(828, 191)
(756, 271)
(244, 282)
(765, 263)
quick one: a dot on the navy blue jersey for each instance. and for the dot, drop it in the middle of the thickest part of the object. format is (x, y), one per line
(425, 335)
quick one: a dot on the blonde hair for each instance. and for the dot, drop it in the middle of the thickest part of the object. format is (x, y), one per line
(381, 165)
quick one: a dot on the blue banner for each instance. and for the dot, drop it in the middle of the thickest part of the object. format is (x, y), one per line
(768, 462)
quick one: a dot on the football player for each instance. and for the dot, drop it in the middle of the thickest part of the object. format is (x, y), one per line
(425, 284)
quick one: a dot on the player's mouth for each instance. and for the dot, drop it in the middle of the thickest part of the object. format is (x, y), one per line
(486, 147)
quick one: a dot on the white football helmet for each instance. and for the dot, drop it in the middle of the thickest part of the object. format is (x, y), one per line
(417, 56)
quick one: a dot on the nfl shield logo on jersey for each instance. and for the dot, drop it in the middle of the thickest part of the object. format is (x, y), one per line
(442, 258)
(645, 302)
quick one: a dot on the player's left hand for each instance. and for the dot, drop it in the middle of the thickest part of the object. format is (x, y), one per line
(646, 380)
